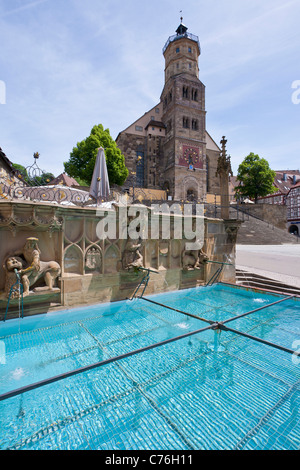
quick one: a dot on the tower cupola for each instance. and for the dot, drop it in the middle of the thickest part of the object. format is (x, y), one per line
(181, 53)
(181, 29)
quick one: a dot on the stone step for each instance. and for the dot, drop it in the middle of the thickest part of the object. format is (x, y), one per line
(254, 231)
(251, 280)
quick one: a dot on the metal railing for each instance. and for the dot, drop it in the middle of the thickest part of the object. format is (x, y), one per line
(175, 37)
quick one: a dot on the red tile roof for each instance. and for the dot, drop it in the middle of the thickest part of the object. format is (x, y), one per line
(65, 180)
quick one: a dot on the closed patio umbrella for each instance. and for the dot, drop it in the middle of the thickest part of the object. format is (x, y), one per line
(100, 188)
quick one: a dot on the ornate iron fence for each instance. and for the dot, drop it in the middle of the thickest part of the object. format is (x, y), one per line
(32, 185)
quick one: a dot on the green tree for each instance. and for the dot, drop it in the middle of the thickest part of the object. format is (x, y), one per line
(83, 156)
(37, 180)
(255, 178)
(22, 171)
(43, 179)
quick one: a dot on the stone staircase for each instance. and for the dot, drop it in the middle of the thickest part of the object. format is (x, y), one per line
(251, 280)
(254, 231)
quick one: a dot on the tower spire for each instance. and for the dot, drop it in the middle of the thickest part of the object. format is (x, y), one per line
(181, 28)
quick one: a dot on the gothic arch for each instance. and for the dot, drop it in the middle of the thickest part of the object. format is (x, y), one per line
(111, 259)
(294, 229)
(191, 188)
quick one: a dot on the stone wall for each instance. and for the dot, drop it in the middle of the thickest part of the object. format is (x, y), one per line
(274, 214)
(94, 269)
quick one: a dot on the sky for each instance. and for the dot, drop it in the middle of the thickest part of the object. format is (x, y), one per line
(67, 65)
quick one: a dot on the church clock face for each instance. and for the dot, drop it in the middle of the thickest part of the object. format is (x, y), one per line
(191, 157)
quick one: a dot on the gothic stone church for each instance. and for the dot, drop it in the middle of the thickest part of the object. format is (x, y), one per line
(168, 147)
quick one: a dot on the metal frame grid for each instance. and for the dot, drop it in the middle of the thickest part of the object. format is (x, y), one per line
(135, 392)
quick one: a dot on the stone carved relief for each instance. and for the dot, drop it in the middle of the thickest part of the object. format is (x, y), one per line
(132, 257)
(11, 266)
(231, 228)
(93, 259)
(164, 254)
(193, 259)
(31, 268)
(15, 219)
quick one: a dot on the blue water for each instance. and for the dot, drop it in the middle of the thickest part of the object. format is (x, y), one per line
(212, 390)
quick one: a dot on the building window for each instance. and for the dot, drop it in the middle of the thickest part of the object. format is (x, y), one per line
(185, 92)
(194, 95)
(138, 128)
(157, 110)
(195, 124)
(185, 122)
(177, 49)
(190, 49)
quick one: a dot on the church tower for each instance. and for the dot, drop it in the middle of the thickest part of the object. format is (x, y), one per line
(168, 149)
(184, 115)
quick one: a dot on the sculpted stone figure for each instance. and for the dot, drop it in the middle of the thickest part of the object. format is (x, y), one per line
(36, 269)
(193, 259)
(132, 257)
(12, 267)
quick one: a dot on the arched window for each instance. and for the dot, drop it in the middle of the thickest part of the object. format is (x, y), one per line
(191, 195)
(194, 95)
(195, 124)
(185, 92)
(185, 122)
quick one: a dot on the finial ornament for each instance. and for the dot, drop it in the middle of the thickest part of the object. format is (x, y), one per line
(224, 161)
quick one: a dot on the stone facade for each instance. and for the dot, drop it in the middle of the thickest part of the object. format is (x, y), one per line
(97, 269)
(169, 147)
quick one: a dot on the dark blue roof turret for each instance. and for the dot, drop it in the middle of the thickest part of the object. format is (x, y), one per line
(181, 29)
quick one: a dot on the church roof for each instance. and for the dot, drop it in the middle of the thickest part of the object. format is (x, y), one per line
(155, 124)
(64, 180)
